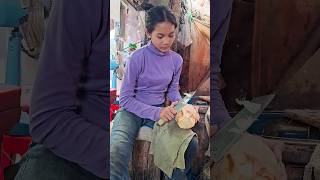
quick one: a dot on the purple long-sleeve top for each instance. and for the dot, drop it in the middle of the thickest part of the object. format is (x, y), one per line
(69, 101)
(150, 76)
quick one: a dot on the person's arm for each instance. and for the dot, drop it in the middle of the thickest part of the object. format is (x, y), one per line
(173, 90)
(222, 12)
(72, 29)
(127, 95)
(219, 115)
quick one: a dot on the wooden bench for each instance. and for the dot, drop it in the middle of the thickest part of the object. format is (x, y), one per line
(141, 166)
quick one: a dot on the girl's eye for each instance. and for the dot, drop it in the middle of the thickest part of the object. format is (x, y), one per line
(160, 37)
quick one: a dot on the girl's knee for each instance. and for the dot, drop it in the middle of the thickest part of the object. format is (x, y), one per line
(194, 143)
(193, 147)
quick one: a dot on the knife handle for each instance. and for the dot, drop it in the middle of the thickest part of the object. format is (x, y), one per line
(161, 122)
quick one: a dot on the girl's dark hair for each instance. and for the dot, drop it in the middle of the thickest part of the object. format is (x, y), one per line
(159, 14)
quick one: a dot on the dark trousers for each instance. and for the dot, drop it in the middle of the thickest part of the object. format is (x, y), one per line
(39, 163)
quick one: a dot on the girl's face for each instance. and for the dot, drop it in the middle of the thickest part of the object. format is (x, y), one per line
(163, 36)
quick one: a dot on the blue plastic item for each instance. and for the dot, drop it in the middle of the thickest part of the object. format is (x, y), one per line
(258, 126)
(10, 13)
(13, 68)
(22, 128)
(266, 118)
(113, 66)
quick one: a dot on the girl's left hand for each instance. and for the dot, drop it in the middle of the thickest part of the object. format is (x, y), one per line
(195, 107)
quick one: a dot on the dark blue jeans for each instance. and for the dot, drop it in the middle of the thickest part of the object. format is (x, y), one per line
(124, 132)
(39, 163)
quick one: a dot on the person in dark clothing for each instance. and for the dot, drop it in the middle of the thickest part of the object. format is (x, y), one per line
(69, 125)
(220, 19)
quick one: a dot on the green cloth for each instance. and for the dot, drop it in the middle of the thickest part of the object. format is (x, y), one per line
(168, 146)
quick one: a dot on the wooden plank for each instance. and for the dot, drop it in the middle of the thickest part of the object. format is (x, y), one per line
(142, 166)
(304, 85)
(297, 154)
(294, 172)
(296, 151)
(309, 142)
(280, 34)
(311, 117)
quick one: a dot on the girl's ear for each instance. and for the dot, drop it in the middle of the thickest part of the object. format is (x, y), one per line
(148, 34)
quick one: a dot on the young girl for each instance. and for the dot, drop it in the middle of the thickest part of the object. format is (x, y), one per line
(152, 73)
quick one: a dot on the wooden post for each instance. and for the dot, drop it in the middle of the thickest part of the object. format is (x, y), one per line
(142, 166)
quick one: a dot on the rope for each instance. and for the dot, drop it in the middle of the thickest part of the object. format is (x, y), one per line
(32, 28)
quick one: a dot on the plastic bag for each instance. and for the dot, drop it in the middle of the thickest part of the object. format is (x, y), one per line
(184, 36)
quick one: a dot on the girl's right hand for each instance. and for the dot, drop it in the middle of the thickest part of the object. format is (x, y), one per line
(168, 113)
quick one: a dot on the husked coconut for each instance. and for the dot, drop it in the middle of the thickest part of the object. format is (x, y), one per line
(251, 158)
(187, 117)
